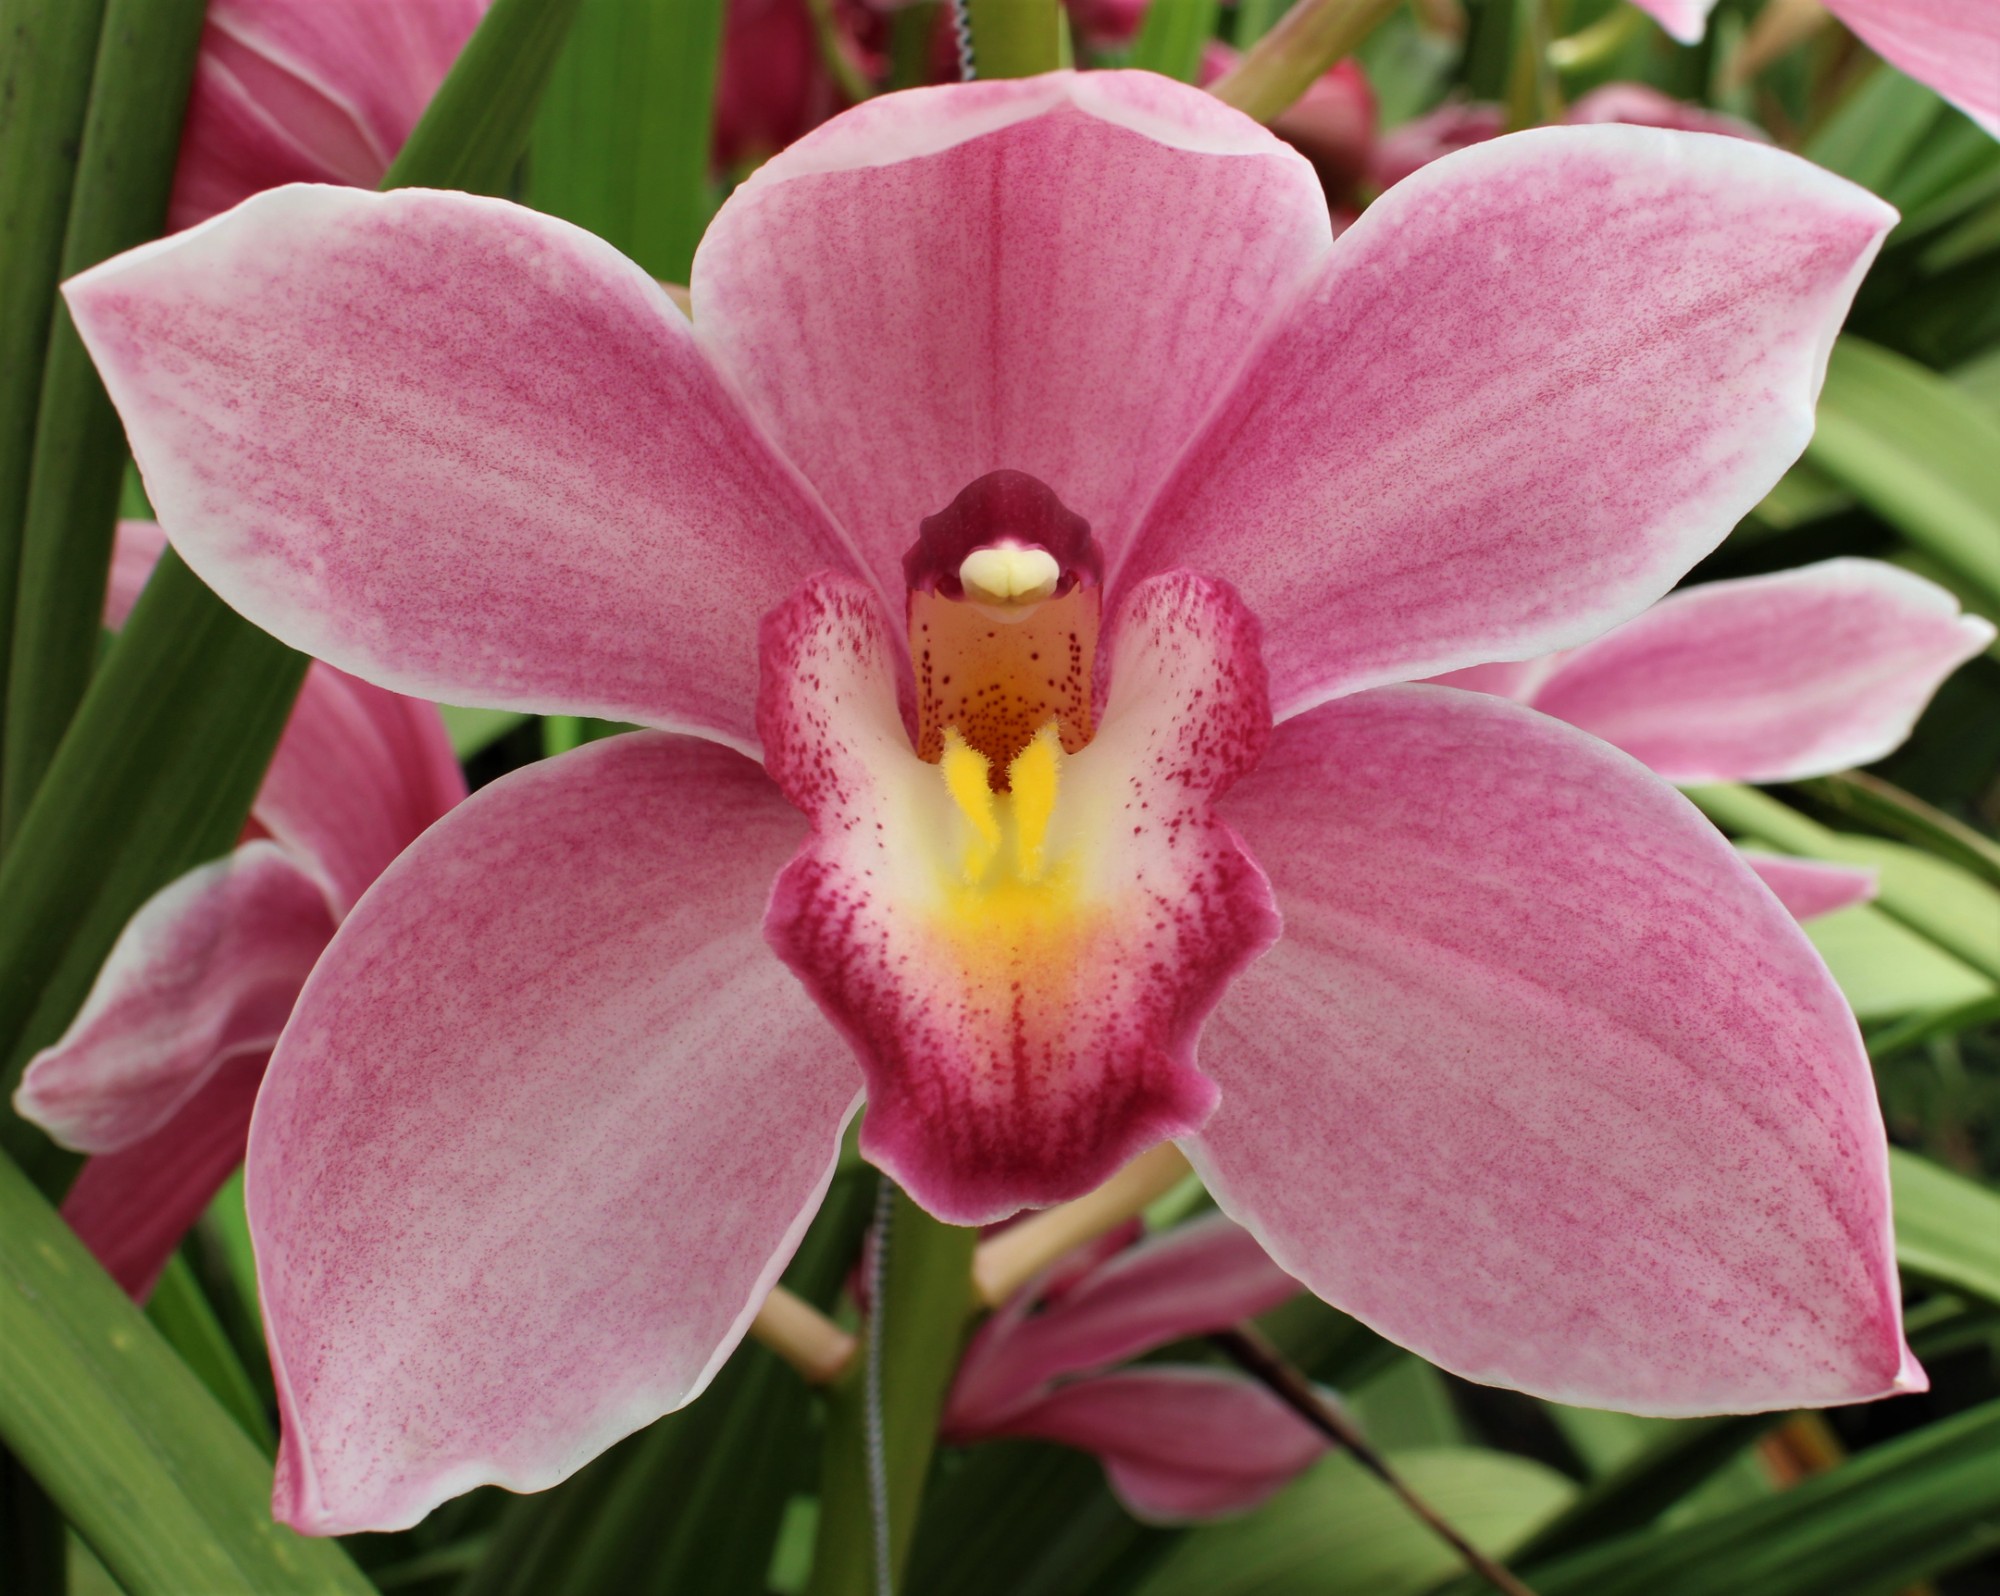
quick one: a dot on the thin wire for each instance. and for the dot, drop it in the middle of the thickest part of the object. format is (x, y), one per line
(871, 1420)
(961, 27)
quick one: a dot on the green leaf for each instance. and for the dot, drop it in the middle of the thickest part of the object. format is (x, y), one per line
(139, 90)
(183, 1316)
(1171, 38)
(473, 731)
(1919, 452)
(1338, 1531)
(1896, 1513)
(1886, 971)
(171, 741)
(1947, 1227)
(1870, 137)
(621, 143)
(168, 1492)
(48, 49)
(926, 1303)
(1017, 38)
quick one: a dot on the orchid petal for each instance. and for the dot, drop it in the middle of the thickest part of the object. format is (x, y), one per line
(1541, 1082)
(1193, 1280)
(135, 551)
(358, 774)
(207, 969)
(1809, 888)
(1531, 386)
(132, 1207)
(324, 92)
(1020, 1044)
(1768, 678)
(1952, 46)
(1178, 1443)
(545, 1100)
(991, 239)
(1684, 20)
(463, 450)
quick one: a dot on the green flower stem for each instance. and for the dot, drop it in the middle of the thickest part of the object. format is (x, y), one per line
(925, 1307)
(1017, 38)
(167, 1491)
(131, 136)
(1758, 817)
(1271, 75)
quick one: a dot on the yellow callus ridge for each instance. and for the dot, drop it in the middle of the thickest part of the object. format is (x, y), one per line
(1025, 809)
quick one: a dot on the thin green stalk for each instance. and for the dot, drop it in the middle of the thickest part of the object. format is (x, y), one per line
(1883, 807)
(1271, 75)
(48, 49)
(145, 64)
(925, 1303)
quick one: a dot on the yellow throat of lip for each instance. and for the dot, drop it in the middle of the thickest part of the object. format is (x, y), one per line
(1022, 813)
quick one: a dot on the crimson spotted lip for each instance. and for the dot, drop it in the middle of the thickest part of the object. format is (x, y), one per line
(1537, 1078)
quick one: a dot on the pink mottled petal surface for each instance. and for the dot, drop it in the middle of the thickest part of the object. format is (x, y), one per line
(1177, 1443)
(460, 449)
(1531, 386)
(358, 774)
(207, 968)
(133, 1206)
(1103, 225)
(1541, 1082)
(1019, 1059)
(1768, 678)
(1952, 46)
(1641, 105)
(546, 1125)
(1809, 888)
(1196, 1278)
(316, 91)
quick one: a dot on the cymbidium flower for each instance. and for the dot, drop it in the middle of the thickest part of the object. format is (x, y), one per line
(1766, 678)
(1952, 46)
(308, 91)
(156, 1075)
(1177, 1441)
(1094, 500)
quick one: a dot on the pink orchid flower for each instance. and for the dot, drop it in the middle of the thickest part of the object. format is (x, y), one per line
(1458, 124)
(1540, 1080)
(1767, 678)
(1952, 46)
(308, 91)
(156, 1076)
(1177, 1442)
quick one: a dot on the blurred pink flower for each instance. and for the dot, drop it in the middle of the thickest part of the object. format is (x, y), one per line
(156, 1075)
(773, 85)
(309, 91)
(1953, 46)
(1177, 1441)
(1539, 1080)
(1459, 124)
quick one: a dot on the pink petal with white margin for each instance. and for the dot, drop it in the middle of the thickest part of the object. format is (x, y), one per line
(1541, 1082)
(1197, 1278)
(544, 1129)
(1020, 1048)
(133, 1206)
(1178, 1443)
(1018, 251)
(1684, 20)
(1809, 888)
(1952, 46)
(1531, 386)
(463, 450)
(208, 967)
(1768, 678)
